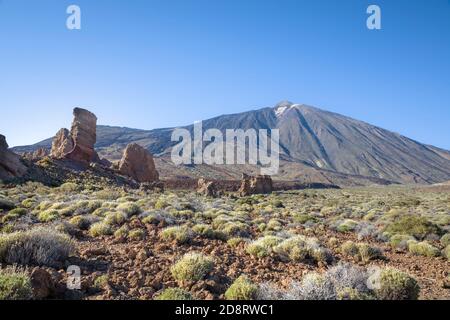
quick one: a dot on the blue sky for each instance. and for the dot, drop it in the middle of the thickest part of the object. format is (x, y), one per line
(160, 63)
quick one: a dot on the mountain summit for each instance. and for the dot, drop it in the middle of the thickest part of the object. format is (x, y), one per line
(313, 142)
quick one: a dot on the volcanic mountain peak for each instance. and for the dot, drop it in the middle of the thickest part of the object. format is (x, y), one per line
(311, 140)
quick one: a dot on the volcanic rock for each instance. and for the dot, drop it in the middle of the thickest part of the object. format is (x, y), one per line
(84, 135)
(78, 144)
(62, 144)
(207, 188)
(138, 164)
(36, 155)
(261, 184)
(10, 164)
(42, 283)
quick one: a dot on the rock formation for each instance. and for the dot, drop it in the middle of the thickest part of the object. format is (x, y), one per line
(36, 155)
(10, 164)
(207, 188)
(78, 144)
(62, 144)
(138, 164)
(260, 184)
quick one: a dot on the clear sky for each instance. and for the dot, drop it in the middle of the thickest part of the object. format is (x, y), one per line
(159, 63)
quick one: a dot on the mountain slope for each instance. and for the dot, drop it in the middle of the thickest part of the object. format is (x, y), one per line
(313, 142)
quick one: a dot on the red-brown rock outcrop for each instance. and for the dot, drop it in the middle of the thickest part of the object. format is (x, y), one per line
(10, 164)
(261, 184)
(137, 163)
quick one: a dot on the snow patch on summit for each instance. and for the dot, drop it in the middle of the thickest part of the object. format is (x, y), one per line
(282, 109)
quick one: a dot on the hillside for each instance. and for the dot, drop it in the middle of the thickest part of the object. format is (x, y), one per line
(314, 144)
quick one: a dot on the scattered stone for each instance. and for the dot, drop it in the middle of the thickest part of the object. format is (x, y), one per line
(137, 163)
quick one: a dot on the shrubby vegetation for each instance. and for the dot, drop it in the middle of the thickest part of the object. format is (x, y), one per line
(192, 267)
(42, 226)
(15, 284)
(38, 246)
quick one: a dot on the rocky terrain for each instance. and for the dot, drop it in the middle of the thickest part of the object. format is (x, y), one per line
(316, 146)
(133, 235)
(311, 244)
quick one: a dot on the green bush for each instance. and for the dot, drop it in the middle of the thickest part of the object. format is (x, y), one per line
(174, 294)
(349, 249)
(116, 218)
(48, 215)
(234, 242)
(301, 249)
(446, 252)
(303, 218)
(14, 214)
(367, 252)
(352, 294)
(81, 222)
(347, 226)
(28, 203)
(15, 285)
(161, 204)
(192, 267)
(69, 187)
(129, 208)
(241, 289)
(263, 247)
(396, 285)
(122, 232)
(412, 225)
(101, 281)
(400, 241)
(360, 251)
(180, 234)
(423, 249)
(136, 234)
(445, 240)
(206, 231)
(100, 229)
(274, 225)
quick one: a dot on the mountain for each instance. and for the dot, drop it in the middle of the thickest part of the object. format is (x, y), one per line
(314, 145)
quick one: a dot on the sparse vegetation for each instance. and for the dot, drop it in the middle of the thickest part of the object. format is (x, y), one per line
(192, 267)
(241, 289)
(15, 285)
(338, 236)
(416, 226)
(39, 246)
(392, 284)
(180, 234)
(174, 294)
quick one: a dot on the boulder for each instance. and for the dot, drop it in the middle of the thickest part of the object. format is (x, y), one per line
(137, 163)
(10, 164)
(42, 283)
(78, 144)
(207, 188)
(261, 184)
